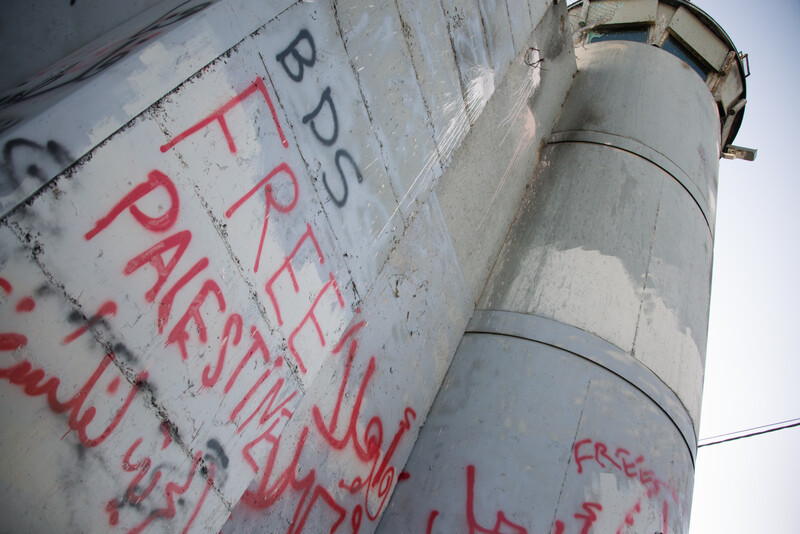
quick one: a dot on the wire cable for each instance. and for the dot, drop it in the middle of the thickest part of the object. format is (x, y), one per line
(749, 429)
(796, 422)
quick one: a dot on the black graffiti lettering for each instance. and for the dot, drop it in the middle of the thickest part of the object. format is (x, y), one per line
(342, 199)
(24, 158)
(326, 98)
(341, 153)
(302, 61)
(215, 446)
(339, 201)
(294, 59)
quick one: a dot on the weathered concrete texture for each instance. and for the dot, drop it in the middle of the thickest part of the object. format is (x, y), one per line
(481, 189)
(607, 240)
(584, 362)
(336, 136)
(686, 133)
(437, 73)
(65, 111)
(526, 437)
(244, 298)
(36, 35)
(580, 248)
(376, 44)
(345, 445)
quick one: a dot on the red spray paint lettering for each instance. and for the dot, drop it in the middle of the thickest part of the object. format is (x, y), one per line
(271, 202)
(35, 383)
(367, 450)
(156, 179)
(218, 116)
(311, 316)
(287, 266)
(502, 524)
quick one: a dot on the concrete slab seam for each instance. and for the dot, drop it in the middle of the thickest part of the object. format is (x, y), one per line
(643, 151)
(594, 349)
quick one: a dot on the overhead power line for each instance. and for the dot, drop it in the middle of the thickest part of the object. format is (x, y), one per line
(750, 432)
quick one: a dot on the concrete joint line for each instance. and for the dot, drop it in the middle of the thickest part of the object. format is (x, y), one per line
(643, 151)
(594, 349)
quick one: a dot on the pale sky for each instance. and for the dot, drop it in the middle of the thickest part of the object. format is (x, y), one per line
(752, 485)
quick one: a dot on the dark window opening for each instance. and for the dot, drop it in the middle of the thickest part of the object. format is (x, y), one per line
(638, 35)
(672, 46)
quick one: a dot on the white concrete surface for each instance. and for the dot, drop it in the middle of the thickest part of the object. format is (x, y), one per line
(230, 284)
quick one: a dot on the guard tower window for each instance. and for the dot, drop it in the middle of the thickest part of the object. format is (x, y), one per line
(675, 48)
(638, 35)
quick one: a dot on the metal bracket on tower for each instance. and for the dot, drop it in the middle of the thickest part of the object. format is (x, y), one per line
(745, 58)
(739, 152)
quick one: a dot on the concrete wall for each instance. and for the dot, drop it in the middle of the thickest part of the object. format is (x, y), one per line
(573, 400)
(239, 246)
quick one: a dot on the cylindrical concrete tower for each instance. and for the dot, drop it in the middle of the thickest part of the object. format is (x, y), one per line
(573, 401)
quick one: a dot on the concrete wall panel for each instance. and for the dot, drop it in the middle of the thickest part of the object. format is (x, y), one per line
(436, 71)
(487, 457)
(232, 288)
(67, 109)
(481, 190)
(478, 78)
(377, 46)
(687, 135)
(324, 105)
(580, 251)
(499, 38)
(346, 444)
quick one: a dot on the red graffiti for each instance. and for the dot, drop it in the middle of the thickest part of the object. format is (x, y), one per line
(431, 519)
(156, 179)
(154, 256)
(311, 316)
(172, 277)
(234, 321)
(287, 266)
(580, 459)
(501, 516)
(629, 517)
(170, 491)
(271, 202)
(107, 309)
(271, 396)
(587, 450)
(622, 460)
(502, 524)
(259, 398)
(35, 383)
(164, 257)
(179, 334)
(165, 306)
(258, 345)
(265, 495)
(5, 285)
(367, 448)
(25, 305)
(601, 452)
(589, 517)
(11, 341)
(136, 493)
(219, 117)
